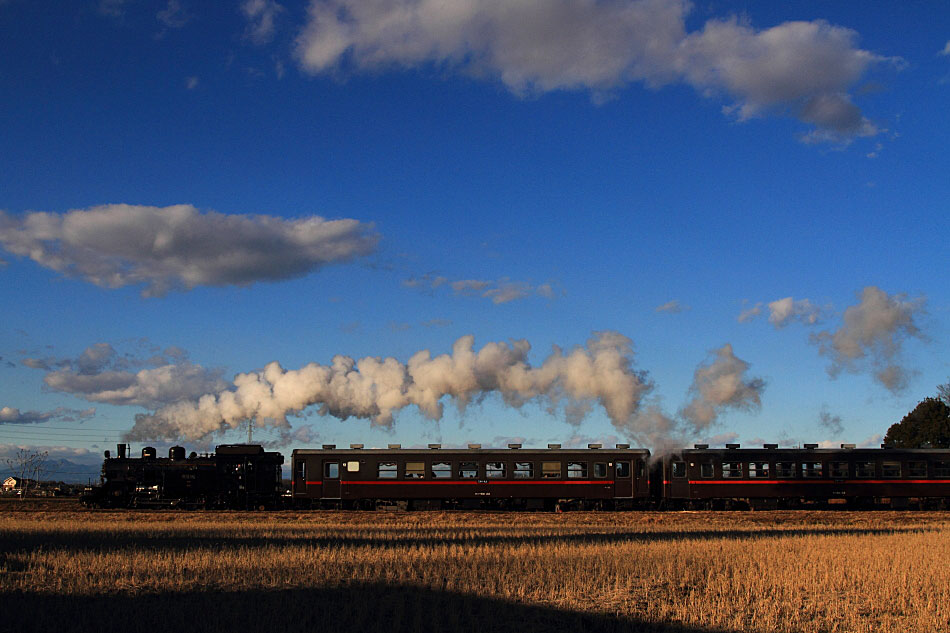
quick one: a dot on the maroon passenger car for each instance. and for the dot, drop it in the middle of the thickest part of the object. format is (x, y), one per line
(470, 478)
(788, 477)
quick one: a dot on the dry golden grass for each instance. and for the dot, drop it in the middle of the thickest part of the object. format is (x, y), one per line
(676, 572)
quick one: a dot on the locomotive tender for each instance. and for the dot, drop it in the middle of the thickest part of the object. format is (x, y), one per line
(245, 476)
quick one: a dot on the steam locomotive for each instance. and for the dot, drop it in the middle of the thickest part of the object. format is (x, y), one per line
(235, 476)
(245, 476)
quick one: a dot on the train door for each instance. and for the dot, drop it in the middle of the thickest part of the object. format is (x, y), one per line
(679, 482)
(331, 479)
(623, 481)
(300, 476)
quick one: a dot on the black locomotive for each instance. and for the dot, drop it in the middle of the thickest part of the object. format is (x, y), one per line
(236, 476)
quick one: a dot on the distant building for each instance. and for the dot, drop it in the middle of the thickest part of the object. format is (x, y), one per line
(17, 483)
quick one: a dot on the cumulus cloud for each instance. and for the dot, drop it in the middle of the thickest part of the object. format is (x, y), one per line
(672, 307)
(100, 374)
(872, 337)
(376, 388)
(784, 311)
(180, 247)
(12, 415)
(261, 16)
(718, 385)
(749, 314)
(500, 291)
(800, 68)
(946, 49)
(173, 15)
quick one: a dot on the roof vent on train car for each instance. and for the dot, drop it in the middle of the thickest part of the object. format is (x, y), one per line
(356, 446)
(553, 446)
(149, 452)
(848, 446)
(435, 446)
(329, 447)
(395, 446)
(810, 446)
(732, 446)
(622, 446)
(701, 447)
(514, 446)
(595, 446)
(770, 446)
(474, 446)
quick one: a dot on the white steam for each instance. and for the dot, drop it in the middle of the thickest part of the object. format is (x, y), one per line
(376, 388)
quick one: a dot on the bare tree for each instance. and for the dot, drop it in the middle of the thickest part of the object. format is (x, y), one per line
(943, 392)
(27, 466)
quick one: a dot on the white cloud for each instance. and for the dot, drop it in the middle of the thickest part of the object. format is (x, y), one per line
(750, 313)
(174, 15)
(783, 311)
(500, 291)
(672, 307)
(872, 336)
(261, 16)
(180, 247)
(12, 415)
(191, 83)
(946, 49)
(100, 374)
(800, 68)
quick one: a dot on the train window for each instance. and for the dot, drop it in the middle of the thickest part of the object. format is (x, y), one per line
(732, 470)
(678, 469)
(331, 470)
(468, 470)
(891, 470)
(301, 469)
(838, 470)
(785, 470)
(917, 470)
(623, 470)
(495, 470)
(600, 470)
(415, 470)
(552, 470)
(759, 470)
(352, 467)
(641, 467)
(386, 470)
(577, 470)
(524, 470)
(942, 469)
(811, 470)
(441, 470)
(706, 470)
(864, 470)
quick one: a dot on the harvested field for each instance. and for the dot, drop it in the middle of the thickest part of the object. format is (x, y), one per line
(61, 567)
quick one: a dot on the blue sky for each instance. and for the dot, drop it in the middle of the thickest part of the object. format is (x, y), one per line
(196, 191)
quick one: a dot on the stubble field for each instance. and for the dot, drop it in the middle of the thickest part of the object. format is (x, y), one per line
(62, 568)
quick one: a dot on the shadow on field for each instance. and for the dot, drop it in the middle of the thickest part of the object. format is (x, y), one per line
(80, 541)
(355, 609)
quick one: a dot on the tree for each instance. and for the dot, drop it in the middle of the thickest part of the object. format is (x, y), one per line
(26, 466)
(927, 425)
(943, 392)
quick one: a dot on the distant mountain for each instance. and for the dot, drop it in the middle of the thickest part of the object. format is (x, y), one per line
(63, 470)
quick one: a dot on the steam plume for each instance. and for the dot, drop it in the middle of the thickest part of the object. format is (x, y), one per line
(376, 388)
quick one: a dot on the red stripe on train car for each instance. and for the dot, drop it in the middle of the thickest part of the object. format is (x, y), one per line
(817, 481)
(470, 482)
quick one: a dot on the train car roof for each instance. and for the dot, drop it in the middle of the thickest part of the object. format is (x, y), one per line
(817, 451)
(468, 451)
